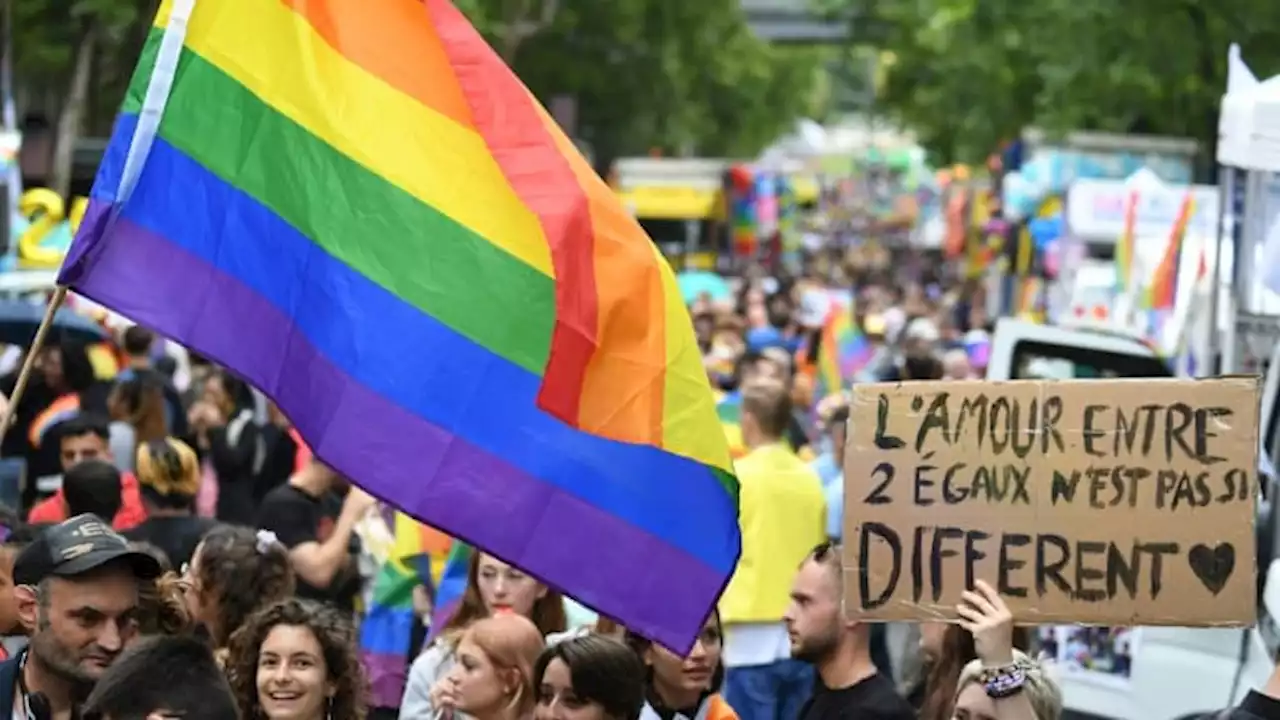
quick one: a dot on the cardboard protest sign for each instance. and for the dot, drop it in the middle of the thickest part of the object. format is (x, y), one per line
(1113, 502)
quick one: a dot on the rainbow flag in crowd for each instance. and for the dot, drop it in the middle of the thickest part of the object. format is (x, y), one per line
(361, 210)
(451, 586)
(852, 349)
(1124, 247)
(1164, 285)
(843, 352)
(386, 633)
(729, 412)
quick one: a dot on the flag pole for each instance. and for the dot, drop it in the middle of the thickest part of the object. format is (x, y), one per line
(29, 362)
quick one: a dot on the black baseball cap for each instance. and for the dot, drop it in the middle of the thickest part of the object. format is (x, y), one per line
(76, 546)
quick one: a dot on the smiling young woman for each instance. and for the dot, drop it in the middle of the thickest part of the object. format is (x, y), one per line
(296, 660)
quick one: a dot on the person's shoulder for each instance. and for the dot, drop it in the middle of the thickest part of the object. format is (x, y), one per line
(798, 477)
(875, 698)
(1256, 706)
(284, 493)
(889, 705)
(49, 510)
(9, 678)
(195, 525)
(434, 660)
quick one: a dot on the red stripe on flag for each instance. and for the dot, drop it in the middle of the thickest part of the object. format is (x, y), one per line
(505, 115)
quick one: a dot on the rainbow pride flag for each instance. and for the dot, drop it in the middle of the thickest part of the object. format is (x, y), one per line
(386, 632)
(451, 586)
(360, 209)
(843, 351)
(1124, 247)
(1163, 287)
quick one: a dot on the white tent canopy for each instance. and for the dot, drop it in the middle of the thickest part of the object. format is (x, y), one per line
(1249, 121)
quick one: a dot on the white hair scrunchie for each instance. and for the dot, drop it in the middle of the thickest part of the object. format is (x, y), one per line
(266, 541)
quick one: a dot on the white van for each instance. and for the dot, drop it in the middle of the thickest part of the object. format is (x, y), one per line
(1174, 673)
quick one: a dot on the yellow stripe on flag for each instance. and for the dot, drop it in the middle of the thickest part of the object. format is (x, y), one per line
(278, 56)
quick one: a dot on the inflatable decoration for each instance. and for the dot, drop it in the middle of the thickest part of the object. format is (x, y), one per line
(43, 230)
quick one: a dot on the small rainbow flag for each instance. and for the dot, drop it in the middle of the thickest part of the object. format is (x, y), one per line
(361, 210)
(1164, 285)
(1124, 247)
(386, 632)
(451, 587)
(843, 351)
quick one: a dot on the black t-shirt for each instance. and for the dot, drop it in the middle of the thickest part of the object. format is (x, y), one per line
(871, 699)
(176, 535)
(297, 517)
(1255, 707)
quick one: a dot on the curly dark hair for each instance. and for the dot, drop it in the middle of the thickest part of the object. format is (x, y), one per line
(337, 637)
(232, 573)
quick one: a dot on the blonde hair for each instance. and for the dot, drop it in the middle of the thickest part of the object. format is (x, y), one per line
(1040, 688)
(169, 468)
(512, 643)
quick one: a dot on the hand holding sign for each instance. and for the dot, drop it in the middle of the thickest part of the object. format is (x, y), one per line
(988, 619)
(1095, 502)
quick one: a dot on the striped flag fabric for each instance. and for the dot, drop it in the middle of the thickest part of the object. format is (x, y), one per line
(361, 210)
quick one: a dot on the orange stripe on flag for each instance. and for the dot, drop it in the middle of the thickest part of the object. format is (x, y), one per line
(434, 542)
(608, 359)
(544, 182)
(388, 39)
(623, 388)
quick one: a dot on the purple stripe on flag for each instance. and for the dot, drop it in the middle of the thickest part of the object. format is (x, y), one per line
(387, 674)
(437, 477)
(443, 613)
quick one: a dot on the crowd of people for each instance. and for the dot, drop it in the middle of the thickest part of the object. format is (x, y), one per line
(182, 554)
(112, 633)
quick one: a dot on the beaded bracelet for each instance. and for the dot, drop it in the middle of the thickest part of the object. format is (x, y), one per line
(1003, 682)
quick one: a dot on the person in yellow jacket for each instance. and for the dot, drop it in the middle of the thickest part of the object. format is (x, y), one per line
(782, 515)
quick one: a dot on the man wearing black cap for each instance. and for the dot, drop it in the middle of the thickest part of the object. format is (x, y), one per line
(76, 588)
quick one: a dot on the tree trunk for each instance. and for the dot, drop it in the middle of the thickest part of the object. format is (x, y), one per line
(71, 119)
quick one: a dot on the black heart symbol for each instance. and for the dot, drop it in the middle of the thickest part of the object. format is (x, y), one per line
(1213, 565)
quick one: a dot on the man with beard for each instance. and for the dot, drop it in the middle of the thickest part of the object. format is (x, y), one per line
(849, 686)
(76, 588)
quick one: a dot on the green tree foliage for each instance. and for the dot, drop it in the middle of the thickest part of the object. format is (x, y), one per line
(674, 75)
(965, 74)
(47, 38)
(72, 59)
